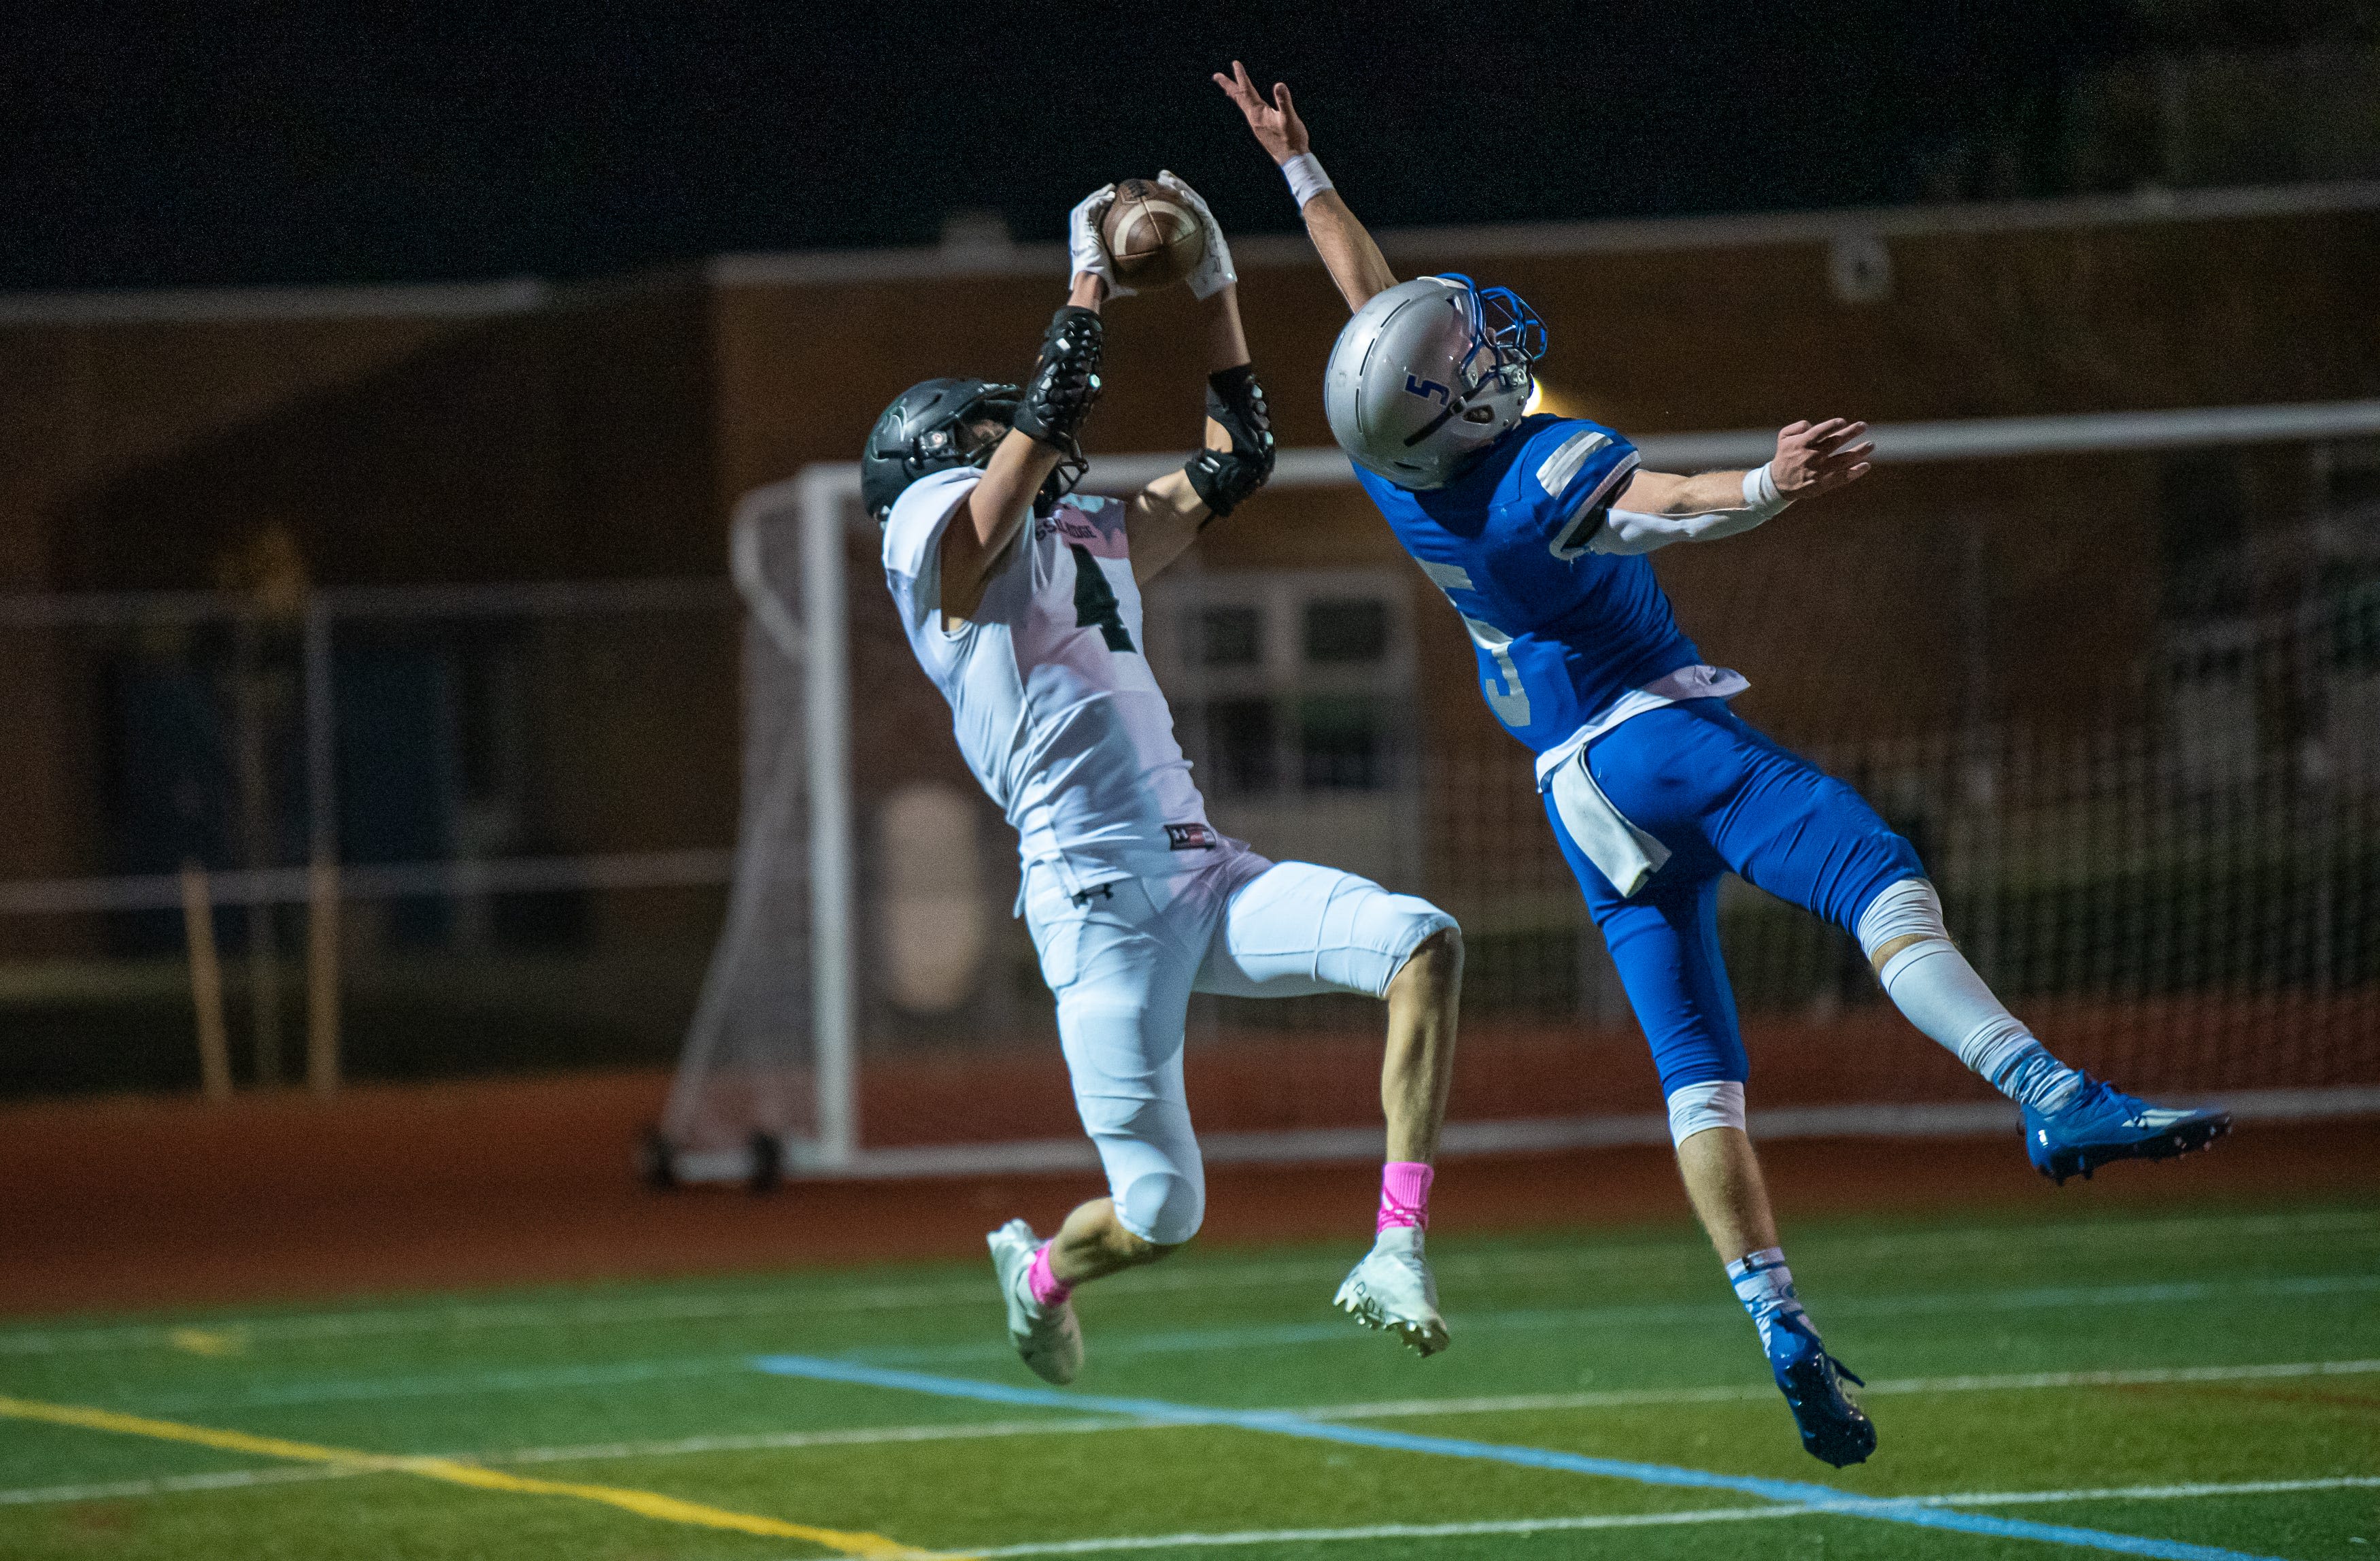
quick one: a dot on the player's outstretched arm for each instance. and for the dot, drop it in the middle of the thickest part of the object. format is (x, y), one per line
(1064, 386)
(1237, 457)
(1348, 252)
(1656, 508)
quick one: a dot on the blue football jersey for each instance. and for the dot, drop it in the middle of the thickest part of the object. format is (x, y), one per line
(1560, 632)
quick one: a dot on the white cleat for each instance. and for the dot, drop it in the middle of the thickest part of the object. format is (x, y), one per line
(1046, 1336)
(1391, 1288)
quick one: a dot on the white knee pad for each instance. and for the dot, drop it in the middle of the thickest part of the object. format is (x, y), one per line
(1361, 934)
(1909, 909)
(1697, 1108)
(1165, 1207)
(1297, 929)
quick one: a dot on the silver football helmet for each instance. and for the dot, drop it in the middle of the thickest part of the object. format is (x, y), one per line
(1429, 373)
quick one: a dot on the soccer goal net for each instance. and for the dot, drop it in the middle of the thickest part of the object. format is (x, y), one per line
(2147, 784)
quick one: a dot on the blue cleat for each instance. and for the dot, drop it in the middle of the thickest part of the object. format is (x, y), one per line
(1833, 1427)
(2103, 1124)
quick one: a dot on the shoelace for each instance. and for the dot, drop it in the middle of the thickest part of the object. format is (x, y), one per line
(2135, 1110)
(2098, 1094)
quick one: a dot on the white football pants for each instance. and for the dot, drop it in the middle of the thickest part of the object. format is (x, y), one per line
(1123, 958)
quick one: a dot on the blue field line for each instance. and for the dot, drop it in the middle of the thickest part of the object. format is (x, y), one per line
(1796, 1492)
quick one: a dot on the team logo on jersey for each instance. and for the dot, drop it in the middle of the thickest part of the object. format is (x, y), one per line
(1191, 838)
(1428, 390)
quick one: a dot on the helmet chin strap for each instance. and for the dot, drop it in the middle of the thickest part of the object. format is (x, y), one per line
(1461, 404)
(1059, 482)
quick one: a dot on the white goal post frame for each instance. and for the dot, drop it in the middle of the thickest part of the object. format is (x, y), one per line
(824, 495)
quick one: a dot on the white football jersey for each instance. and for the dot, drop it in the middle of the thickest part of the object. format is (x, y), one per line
(1056, 710)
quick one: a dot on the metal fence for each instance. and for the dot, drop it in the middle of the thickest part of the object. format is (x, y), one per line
(398, 831)
(2182, 899)
(430, 831)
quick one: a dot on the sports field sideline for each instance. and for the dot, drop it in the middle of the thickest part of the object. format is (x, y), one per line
(2148, 1383)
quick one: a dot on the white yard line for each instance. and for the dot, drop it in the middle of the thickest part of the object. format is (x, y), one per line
(545, 1379)
(1629, 1520)
(2160, 1493)
(1588, 1256)
(774, 1441)
(1393, 1409)
(171, 1485)
(1190, 1341)
(2018, 1381)
(1378, 1532)
(284, 1474)
(366, 1390)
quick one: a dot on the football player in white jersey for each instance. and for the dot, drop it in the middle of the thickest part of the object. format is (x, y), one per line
(1022, 601)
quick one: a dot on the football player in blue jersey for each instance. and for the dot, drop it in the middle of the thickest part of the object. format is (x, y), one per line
(1536, 528)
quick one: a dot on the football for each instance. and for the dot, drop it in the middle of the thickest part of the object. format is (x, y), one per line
(1154, 239)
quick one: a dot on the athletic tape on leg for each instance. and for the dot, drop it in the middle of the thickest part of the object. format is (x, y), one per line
(1907, 909)
(1697, 1108)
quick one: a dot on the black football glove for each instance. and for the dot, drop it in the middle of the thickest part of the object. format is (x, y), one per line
(1224, 478)
(1065, 382)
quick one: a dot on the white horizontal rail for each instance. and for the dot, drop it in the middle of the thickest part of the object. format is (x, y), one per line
(2077, 433)
(1967, 439)
(1534, 1135)
(512, 599)
(287, 886)
(1427, 249)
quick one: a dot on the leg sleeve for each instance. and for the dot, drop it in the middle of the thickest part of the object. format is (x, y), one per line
(1665, 941)
(1123, 991)
(1295, 930)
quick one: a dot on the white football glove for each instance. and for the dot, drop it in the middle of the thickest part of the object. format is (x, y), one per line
(1084, 250)
(1213, 274)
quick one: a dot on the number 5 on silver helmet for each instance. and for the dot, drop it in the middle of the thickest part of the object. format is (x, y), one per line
(1429, 373)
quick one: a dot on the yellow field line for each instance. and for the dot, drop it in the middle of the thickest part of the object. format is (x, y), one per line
(645, 1504)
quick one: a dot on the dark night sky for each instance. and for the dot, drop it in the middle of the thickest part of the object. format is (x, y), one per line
(253, 142)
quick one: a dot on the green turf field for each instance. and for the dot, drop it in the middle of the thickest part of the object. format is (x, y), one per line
(2167, 1384)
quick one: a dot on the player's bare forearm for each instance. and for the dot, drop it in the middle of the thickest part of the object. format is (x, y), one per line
(995, 511)
(997, 508)
(1227, 341)
(1660, 492)
(1812, 458)
(1165, 518)
(1161, 523)
(1348, 252)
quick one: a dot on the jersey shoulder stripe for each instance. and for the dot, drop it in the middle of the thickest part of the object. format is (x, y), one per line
(1574, 467)
(1446, 576)
(1586, 516)
(1556, 470)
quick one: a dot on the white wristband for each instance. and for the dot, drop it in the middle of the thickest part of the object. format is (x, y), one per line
(1760, 495)
(1305, 178)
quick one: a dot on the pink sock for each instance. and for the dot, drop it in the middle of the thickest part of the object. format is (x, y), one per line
(1046, 1289)
(1404, 1194)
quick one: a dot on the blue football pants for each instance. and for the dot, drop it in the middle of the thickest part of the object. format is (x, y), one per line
(1723, 798)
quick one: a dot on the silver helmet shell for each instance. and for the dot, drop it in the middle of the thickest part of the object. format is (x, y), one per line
(1429, 373)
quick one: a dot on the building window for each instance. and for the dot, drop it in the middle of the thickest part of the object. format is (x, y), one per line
(1292, 695)
(1288, 682)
